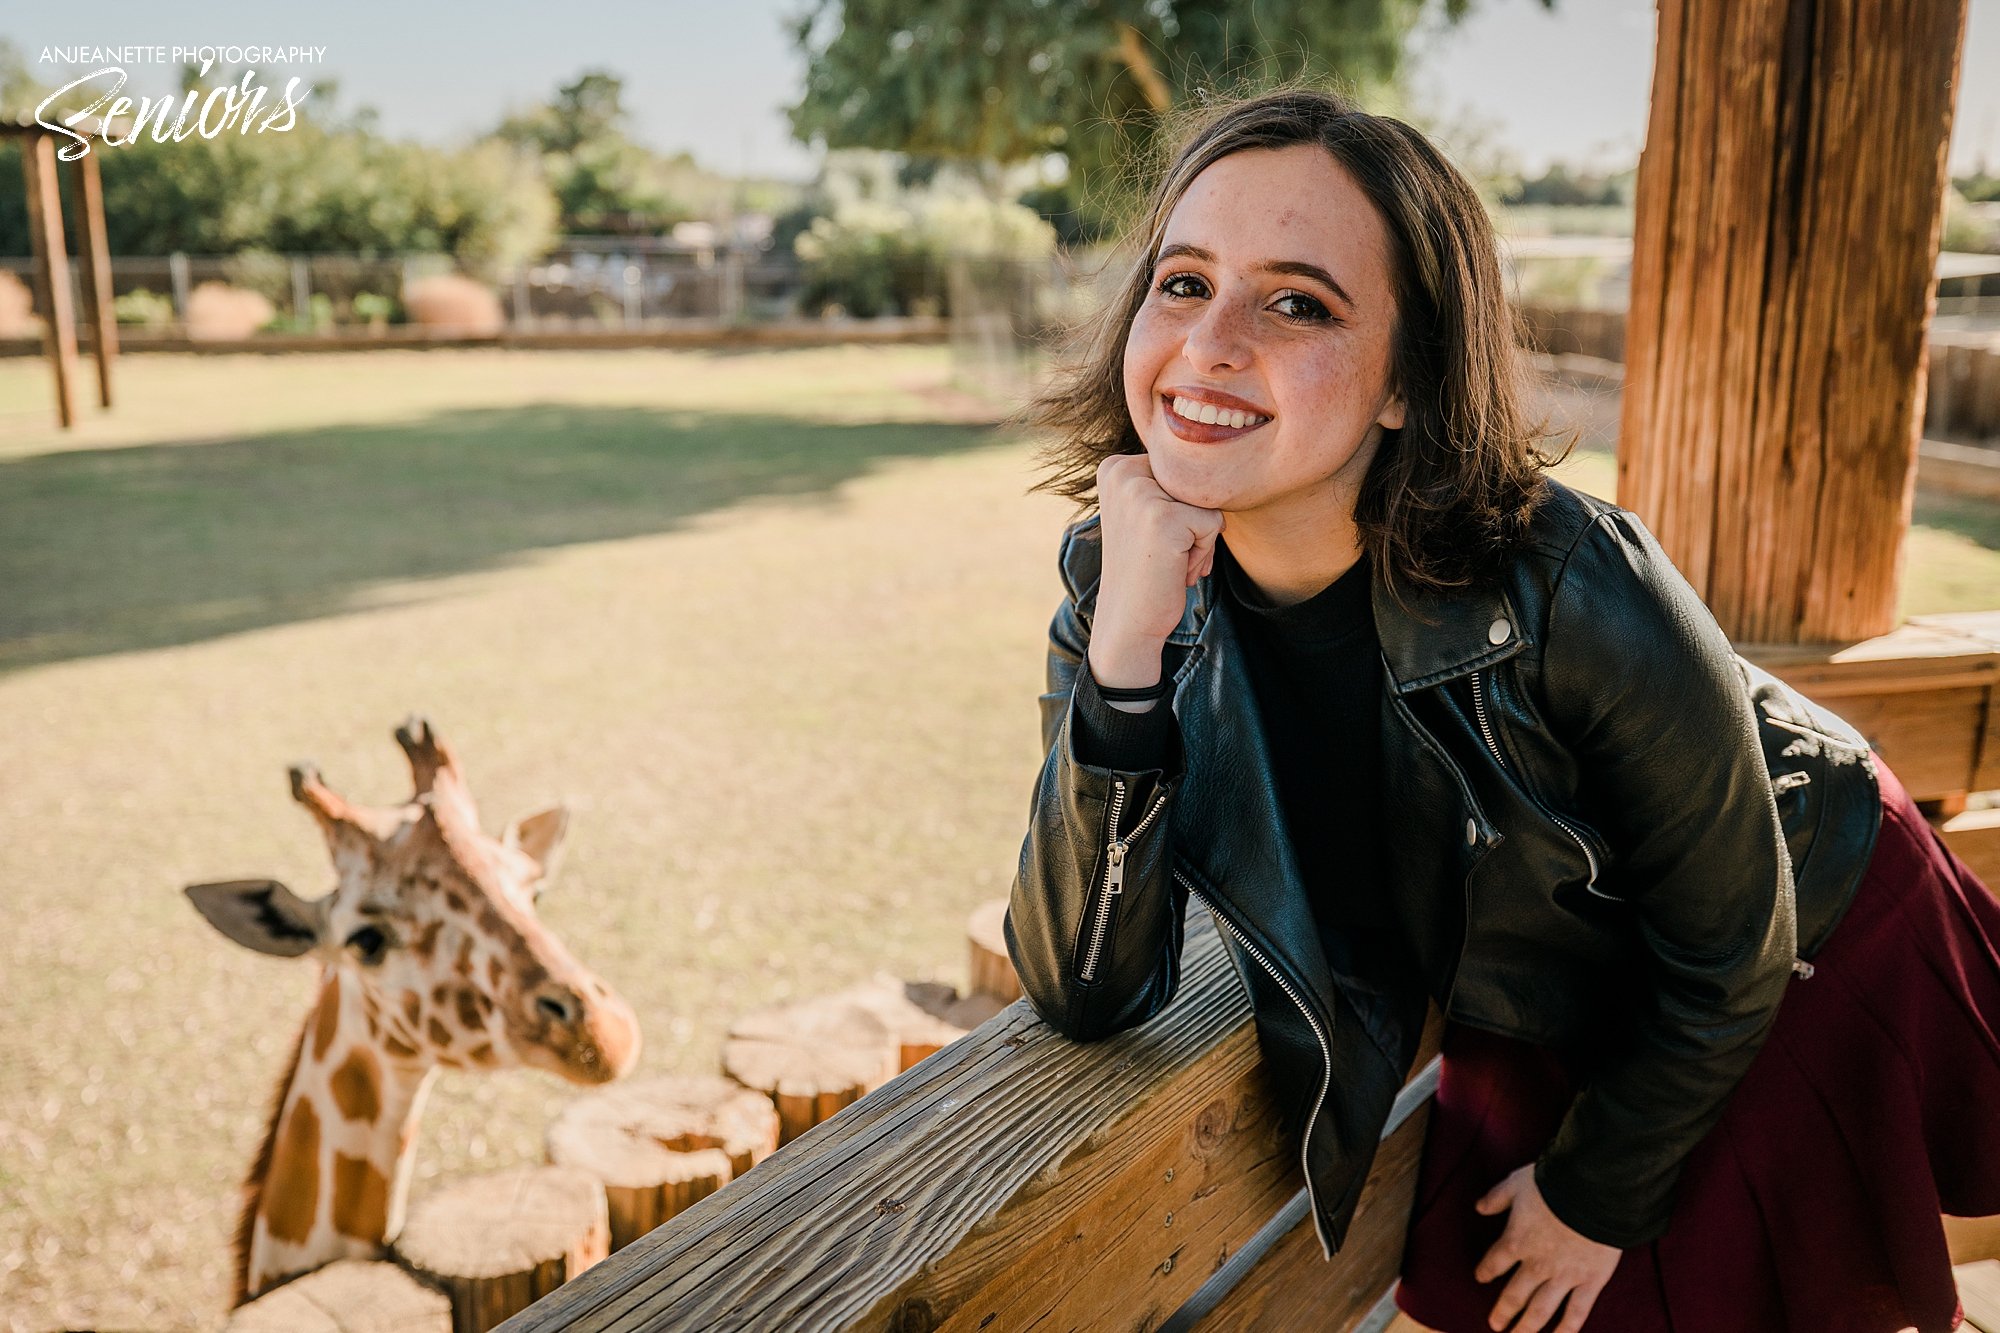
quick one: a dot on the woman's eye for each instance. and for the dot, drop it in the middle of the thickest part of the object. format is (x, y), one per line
(1185, 285)
(1303, 309)
(369, 944)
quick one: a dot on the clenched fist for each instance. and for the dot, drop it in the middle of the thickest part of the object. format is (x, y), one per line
(1155, 548)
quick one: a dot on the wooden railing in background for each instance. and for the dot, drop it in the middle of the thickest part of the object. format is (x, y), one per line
(1961, 386)
(1927, 697)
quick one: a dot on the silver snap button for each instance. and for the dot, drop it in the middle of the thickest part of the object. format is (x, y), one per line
(1471, 833)
(1498, 631)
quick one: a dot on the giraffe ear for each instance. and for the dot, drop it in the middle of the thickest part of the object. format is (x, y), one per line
(261, 914)
(540, 835)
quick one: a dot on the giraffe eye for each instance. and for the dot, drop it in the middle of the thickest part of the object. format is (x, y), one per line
(369, 944)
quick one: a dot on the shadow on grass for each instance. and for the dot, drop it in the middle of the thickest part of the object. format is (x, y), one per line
(110, 550)
(1978, 521)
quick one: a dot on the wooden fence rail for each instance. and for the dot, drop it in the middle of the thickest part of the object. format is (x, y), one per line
(1017, 1179)
(1962, 388)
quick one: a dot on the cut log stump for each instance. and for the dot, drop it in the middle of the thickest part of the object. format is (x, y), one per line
(660, 1145)
(923, 1017)
(498, 1242)
(992, 971)
(813, 1057)
(349, 1296)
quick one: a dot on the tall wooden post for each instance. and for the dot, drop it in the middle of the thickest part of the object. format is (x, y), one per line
(1790, 199)
(45, 232)
(95, 247)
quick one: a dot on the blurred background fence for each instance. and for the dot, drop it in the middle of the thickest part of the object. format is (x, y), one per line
(1000, 316)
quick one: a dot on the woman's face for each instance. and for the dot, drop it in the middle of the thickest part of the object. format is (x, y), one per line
(1269, 313)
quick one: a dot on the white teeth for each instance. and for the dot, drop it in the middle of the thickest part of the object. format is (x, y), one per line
(1210, 414)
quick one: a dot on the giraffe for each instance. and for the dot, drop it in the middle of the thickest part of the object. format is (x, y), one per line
(430, 956)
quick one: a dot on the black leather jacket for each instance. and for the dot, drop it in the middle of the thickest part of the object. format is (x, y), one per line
(1606, 833)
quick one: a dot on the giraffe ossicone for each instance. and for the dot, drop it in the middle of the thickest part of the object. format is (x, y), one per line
(431, 955)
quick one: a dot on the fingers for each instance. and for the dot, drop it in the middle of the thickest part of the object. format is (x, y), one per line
(1580, 1301)
(1497, 1261)
(1201, 558)
(1542, 1307)
(1513, 1298)
(1128, 479)
(1500, 1198)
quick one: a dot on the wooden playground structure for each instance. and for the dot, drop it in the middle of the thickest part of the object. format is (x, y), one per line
(39, 165)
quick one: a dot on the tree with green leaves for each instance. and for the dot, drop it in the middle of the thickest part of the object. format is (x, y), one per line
(1009, 80)
(603, 181)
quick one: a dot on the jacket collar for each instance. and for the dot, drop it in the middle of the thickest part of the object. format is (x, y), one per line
(1444, 634)
(1428, 638)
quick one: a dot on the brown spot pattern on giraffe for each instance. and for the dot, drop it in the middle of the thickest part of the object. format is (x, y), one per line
(360, 1198)
(327, 1022)
(291, 1193)
(397, 1047)
(439, 1033)
(427, 939)
(472, 1007)
(357, 1086)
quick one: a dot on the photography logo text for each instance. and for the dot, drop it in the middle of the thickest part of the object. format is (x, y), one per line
(241, 107)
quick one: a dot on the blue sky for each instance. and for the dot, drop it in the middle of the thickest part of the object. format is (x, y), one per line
(711, 77)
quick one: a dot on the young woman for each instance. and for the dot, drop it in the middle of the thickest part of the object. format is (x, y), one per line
(1417, 723)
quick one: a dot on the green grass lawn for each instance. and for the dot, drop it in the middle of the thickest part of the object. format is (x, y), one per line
(771, 623)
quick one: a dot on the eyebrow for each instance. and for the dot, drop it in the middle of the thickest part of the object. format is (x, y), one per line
(1296, 268)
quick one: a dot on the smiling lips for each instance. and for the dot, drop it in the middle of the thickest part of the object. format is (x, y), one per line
(1210, 417)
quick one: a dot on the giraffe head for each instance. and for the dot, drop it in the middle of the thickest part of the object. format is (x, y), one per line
(432, 956)
(433, 923)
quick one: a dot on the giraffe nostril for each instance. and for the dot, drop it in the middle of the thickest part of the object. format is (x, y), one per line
(558, 1007)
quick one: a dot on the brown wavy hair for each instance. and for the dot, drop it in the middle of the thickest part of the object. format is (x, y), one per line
(1452, 490)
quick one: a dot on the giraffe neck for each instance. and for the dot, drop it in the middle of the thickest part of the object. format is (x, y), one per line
(336, 1174)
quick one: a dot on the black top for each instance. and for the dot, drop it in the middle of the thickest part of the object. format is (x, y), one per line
(1316, 669)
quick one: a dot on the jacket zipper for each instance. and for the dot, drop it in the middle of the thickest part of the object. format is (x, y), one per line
(1590, 857)
(1800, 967)
(1115, 849)
(1319, 1032)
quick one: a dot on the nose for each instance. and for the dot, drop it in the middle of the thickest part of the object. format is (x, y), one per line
(1218, 340)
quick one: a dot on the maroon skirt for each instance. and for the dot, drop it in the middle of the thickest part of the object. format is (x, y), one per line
(1872, 1108)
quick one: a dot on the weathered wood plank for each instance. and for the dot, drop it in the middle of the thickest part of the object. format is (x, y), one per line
(1972, 1238)
(1295, 1287)
(1974, 838)
(931, 1185)
(1979, 1291)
